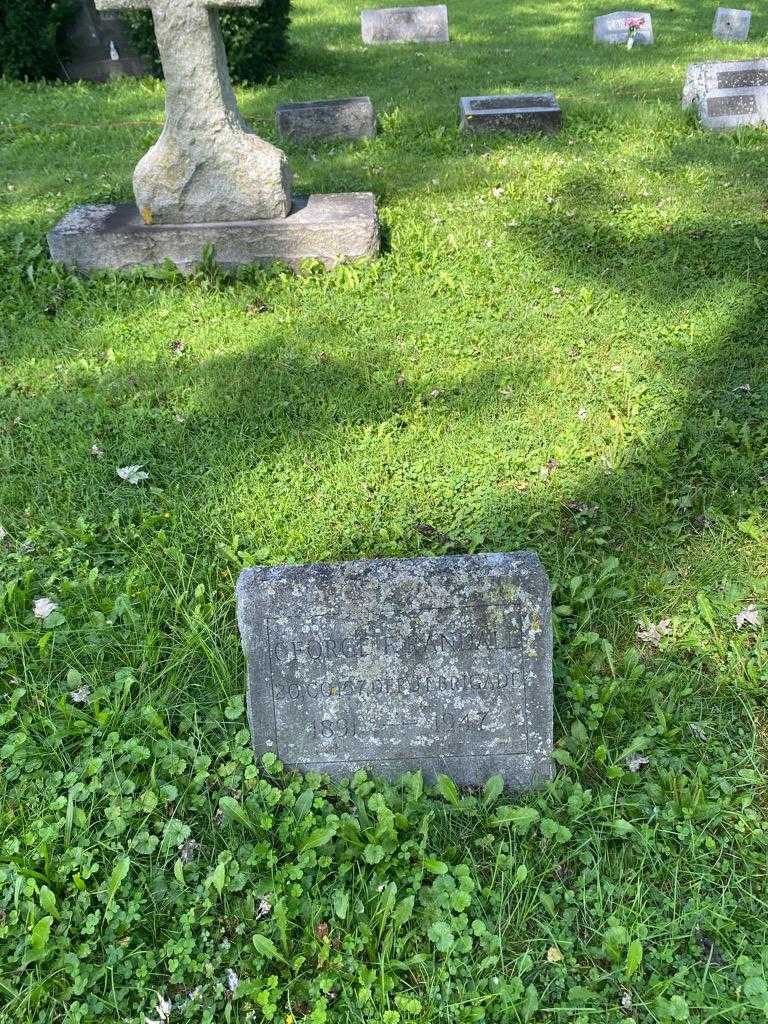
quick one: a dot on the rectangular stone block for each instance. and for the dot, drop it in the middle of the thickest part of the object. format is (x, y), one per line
(351, 118)
(524, 115)
(728, 94)
(406, 25)
(394, 665)
(615, 28)
(331, 228)
(731, 25)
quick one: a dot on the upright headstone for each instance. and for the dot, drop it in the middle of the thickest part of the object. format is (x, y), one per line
(523, 115)
(351, 118)
(209, 180)
(393, 665)
(728, 94)
(406, 25)
(621, 26)
(731, 25)
(100, 47)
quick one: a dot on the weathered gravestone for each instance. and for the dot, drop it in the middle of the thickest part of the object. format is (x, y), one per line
(533, 112)
(432, 664)
(352, 118)
(209, 180)
(731, 25)
(728, 94)
(406, 25)
(100, 46)
(619, 27)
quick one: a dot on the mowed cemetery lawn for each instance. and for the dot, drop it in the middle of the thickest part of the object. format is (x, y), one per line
(562, 347)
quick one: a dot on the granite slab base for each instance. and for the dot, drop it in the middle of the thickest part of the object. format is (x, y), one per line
(331, 228)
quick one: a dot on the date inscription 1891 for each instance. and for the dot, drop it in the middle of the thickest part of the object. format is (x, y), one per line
(403, 689)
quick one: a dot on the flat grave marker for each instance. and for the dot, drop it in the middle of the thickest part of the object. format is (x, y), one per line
(405, 24)
(522, 114)
(393, 665)
(350, 118)
(731, 25)
(616, 28)
(728, 94)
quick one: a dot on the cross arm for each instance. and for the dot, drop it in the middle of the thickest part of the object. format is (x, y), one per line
(122, 5)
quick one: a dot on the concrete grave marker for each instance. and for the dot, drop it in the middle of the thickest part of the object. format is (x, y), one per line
(525, 114)
(99, 46)
(209, 180)
(352, 118)
(731, 25)
(406, 25)
(728, 94)
(624, 28)
(436, 664)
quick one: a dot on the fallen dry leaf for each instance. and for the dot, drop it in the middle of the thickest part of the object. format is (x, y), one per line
(637, 762)
(554, 956)
(43, 606)
(748, 616)
(132, 474)
(82, 695)
(653, 634)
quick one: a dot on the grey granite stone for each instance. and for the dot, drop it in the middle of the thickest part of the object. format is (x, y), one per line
(731, 25)
(406, 25)
(728, 94)
(615, 28)
(99, 46)
(330, 228)
(206, 166)
(524, 114)
(393, 665)
(351, 118)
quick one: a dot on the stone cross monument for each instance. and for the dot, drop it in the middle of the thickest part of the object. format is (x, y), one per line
(207, 165)
(209, 181)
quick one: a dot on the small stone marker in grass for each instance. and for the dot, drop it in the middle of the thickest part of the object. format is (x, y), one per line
(624, 28)
(394, 665)
(352, 118)
(728, 94)
(731, 25)
(524, 115)
(406, 25)
(209, 181)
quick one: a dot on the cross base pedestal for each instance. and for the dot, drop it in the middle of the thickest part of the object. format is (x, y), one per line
(330, 228)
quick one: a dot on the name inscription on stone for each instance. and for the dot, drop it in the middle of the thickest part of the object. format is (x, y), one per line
(402, 664)
(747, 79)
(403, 692)
(722, 106)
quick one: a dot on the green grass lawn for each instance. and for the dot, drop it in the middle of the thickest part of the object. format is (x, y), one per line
(562, 347)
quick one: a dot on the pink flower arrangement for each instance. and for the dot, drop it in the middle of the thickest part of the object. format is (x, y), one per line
(633, 25)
